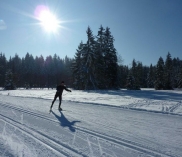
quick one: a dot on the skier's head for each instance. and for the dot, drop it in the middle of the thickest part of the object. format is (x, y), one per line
(62, 82)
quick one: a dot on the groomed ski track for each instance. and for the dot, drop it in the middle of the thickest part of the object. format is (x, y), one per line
(85, 130)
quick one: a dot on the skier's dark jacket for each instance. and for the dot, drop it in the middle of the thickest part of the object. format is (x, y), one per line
(60, 89)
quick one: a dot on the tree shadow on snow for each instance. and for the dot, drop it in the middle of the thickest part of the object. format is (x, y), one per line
(64, 122)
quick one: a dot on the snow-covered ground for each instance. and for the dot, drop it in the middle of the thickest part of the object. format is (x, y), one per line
(114, 123)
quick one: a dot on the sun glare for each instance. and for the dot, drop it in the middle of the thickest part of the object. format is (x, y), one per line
(47, 20)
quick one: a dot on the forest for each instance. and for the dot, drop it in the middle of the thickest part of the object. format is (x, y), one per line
(94, 66)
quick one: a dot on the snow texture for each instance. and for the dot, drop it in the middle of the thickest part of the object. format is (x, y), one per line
(113, 123)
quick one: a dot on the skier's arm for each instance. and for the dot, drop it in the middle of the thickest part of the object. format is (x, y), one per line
(67, 89)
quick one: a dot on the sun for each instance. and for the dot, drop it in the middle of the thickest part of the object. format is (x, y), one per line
(47, 19)
(49, 22)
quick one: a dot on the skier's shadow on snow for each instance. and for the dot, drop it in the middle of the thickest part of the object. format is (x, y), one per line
(64, 122)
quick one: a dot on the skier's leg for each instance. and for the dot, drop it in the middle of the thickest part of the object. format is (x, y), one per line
(55, 97)
(60, 99)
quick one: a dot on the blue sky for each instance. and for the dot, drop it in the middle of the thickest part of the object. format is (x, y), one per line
(143, 30)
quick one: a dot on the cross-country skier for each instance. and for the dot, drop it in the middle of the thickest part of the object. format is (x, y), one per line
(59, 92)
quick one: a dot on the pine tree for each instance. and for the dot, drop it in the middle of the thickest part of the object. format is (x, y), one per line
(77, 68)
(9, 81)
(97, 66)
(133, 80)
(130, 82)
(3, 67)
(56, 68)
(159, 80)
(100, 51)
(49, 72)
(89, 61)
(150, 77)
(175, 72)
(139, 76)
(28, 70)
(180, 77)
(110, 60)
(16, 67)
(39, 73)
(145, 72)
(68, 75)
(123, 72)
(168, 72)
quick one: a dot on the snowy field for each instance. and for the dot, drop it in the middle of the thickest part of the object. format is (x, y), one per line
(114, 123)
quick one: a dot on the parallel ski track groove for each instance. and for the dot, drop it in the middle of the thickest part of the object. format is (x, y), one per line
(28, 131)
(120, 142)
(175, 107)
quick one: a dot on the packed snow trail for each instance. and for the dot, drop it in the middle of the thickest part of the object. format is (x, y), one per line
(27, 129)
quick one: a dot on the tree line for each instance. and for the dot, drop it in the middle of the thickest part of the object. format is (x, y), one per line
(165, 75)
(30, 72)
(94, 66)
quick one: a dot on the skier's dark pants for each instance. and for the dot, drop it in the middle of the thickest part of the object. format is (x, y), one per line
(58, 94)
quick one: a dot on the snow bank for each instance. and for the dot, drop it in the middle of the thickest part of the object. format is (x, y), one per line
(146, 99)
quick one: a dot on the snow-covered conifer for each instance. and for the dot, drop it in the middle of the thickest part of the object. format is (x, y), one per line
(39, 72)
(78, 68)
(159, 80)
(110, 60)
(130, 82)
(15, 64)
(100, 64)
(9, 81)
(89, 58)
(150, 77)
(180, 77)
(168, 72)
(3, 66)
